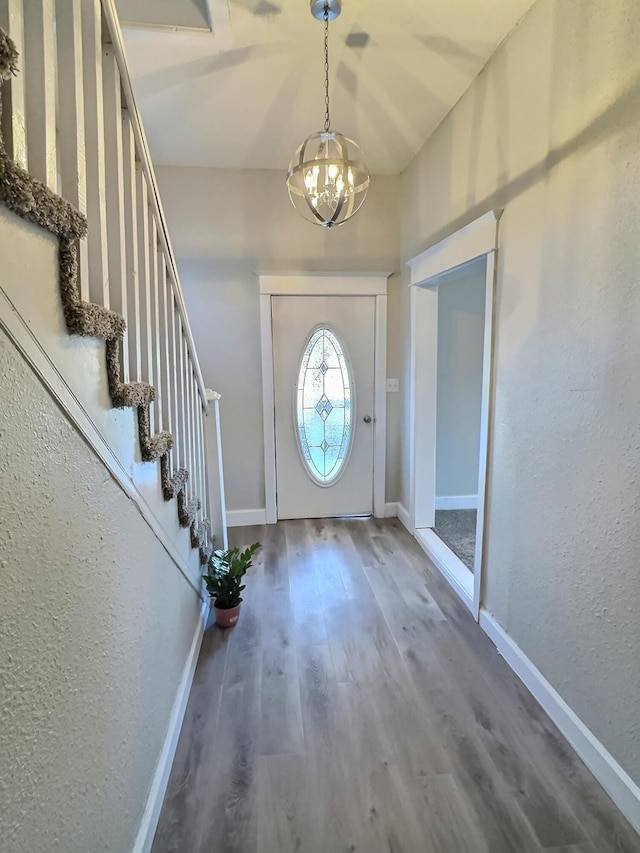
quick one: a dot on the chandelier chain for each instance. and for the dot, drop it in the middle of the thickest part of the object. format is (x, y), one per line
(327, 119)
(328, 178)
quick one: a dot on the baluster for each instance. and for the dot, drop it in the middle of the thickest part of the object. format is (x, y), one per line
(173, 372)
(133, 354)
(205, 478)
(115, 196)
(144, 289)
(180, 396)
(187, 420)
(198, 423)
(14, 121)
(165, 343)
(39, 69)
(201, 488)
(194, 432)
(205, 460)
(189, 412)
(71, 144)
(94, 148)
(152, 315)
(196, 443)
(217, 493)
(157, 264)
(204, 496)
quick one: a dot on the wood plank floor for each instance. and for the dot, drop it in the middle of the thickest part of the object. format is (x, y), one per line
(356, 708)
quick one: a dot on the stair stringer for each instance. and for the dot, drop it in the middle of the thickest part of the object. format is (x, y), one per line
(25, 196)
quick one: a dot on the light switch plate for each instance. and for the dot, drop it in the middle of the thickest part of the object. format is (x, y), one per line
(393, 385)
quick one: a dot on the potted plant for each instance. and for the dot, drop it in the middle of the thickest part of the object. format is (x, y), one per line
(223, 579)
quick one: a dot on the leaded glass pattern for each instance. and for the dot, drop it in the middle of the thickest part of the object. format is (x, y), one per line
(324, 406)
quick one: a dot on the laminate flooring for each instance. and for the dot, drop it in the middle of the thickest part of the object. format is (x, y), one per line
(357, 708)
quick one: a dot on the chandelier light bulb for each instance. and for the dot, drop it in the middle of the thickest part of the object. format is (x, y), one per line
(328, 177)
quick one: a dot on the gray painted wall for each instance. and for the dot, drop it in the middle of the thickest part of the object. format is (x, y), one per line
(227, 225)
(461, 296)
(97, 623)
(550, 131)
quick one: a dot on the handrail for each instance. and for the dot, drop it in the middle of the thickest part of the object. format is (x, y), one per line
(83, 141)
(113, 26)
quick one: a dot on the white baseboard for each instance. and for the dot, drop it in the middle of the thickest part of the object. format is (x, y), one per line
(447, 563)
(457, 502)
(624, 792)
(246, 517)
(403, 517)
(391, 510)
(149, 822)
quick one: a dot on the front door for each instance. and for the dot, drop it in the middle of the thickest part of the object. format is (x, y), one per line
(323, 363)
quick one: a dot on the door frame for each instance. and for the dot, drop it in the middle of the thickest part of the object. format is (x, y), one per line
(324, 284)
(476, 240)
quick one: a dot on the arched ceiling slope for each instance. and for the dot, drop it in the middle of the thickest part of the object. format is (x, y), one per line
(239, 84)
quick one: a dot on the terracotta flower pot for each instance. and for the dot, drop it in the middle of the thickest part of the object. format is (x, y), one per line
(227, 618)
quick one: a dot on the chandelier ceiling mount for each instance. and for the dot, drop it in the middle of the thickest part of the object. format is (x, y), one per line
(334, 9)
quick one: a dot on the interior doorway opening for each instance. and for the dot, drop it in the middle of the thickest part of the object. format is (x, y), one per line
(460, 344)
(452, 293)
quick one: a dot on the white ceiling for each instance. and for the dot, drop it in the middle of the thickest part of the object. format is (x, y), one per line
(245, 92)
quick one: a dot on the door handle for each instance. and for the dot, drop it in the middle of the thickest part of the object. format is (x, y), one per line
(367, 419)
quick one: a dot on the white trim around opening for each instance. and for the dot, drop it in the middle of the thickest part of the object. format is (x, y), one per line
(478, 239)
(325, 284)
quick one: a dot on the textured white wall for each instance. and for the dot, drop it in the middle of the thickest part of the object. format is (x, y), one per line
(226, 225)
(33, 293)
(461, 296)
(550, 132)
(96, 623)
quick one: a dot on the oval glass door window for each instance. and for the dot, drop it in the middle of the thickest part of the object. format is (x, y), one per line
(324, 406)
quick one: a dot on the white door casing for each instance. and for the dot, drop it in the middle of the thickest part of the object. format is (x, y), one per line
(479, 238)
(273, 285)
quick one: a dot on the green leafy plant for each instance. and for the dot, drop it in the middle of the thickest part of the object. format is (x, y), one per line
(224, 574)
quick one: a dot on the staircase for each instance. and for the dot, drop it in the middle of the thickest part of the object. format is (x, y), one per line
(74, 161)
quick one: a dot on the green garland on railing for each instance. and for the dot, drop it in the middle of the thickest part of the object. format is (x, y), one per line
(28, 198)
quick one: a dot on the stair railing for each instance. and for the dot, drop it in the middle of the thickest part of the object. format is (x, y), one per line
(70, 120)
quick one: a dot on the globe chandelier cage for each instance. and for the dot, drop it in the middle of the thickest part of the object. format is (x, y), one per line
(328, 177)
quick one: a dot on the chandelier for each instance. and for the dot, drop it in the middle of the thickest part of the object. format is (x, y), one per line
(328, 177)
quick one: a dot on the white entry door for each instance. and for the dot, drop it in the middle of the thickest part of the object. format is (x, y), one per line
(323, 364)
